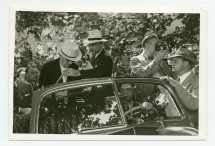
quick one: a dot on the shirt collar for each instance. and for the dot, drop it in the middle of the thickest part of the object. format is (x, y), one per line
(184, 76)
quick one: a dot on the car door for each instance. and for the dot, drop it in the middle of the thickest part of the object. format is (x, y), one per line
(135, 93)
(80, 107)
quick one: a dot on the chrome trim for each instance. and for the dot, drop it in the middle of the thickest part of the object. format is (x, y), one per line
(121, 109)
(102, 129)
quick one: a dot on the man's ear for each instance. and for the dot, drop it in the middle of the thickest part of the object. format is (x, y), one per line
(146, 45)
(186, 63)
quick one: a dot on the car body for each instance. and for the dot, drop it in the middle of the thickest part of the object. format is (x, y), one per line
(98, 106)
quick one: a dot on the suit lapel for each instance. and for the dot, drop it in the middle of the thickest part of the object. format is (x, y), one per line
(188, 80)
(98, 58)
(58, 70)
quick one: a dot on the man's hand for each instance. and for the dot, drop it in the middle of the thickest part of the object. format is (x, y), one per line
(171, 81)
(71, 72)
(26, 112)
(160, 55)
(147, 105)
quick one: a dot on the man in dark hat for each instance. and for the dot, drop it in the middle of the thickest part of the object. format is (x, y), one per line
(187, 84)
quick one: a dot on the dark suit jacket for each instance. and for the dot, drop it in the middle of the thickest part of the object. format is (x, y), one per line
(102, 67)
(22, 95)
(51, 72)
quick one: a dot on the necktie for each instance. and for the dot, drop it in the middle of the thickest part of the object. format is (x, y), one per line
(93, 57)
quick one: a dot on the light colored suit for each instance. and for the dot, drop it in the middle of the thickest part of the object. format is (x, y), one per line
(188, 93)
(142, 67)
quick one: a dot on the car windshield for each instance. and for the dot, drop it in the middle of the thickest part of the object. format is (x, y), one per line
(143, 102)
(75, 110)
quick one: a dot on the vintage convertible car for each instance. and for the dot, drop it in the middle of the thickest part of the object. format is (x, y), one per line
(110, 106)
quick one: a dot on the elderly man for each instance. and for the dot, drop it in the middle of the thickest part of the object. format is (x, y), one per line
(58, 70)
(101, 60)
(32, 74)
(187, 86)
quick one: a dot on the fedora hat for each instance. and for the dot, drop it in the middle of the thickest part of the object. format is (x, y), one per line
(70, 51)
(186, 54)
(94, 37)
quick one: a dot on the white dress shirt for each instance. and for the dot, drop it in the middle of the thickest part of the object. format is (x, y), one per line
(64, 77)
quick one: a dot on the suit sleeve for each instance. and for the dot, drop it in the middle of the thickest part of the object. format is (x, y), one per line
(189, 98)
(103, 68)
(165, 69)
(137, 69)
(43, 78)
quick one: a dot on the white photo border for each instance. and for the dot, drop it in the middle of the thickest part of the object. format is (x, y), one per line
(203, 90)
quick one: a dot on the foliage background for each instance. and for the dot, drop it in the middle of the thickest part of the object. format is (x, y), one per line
(39, 33)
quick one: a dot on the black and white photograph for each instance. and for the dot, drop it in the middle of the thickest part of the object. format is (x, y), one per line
(106, 73)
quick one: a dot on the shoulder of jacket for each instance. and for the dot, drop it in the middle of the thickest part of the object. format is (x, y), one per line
(195, 79)
(50, 63)
(24, 83)
(107, 55)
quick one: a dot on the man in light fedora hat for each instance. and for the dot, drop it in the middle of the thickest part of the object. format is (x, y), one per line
(100, 59)
(187, 84)
(58, 70)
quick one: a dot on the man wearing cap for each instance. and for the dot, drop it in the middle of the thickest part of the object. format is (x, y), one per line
(187, 84)
(58, 70)
(101, 60)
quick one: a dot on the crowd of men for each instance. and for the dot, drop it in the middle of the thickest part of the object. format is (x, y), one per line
(181, 72)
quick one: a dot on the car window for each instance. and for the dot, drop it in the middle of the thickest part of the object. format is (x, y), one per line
(79, 109)
(143, 102)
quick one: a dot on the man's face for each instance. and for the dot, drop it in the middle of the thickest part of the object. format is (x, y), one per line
(178, 64)
(126, 91)
(151, 46)
(65, 62)
(95, 47)
(22, 75)
(32, 74)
